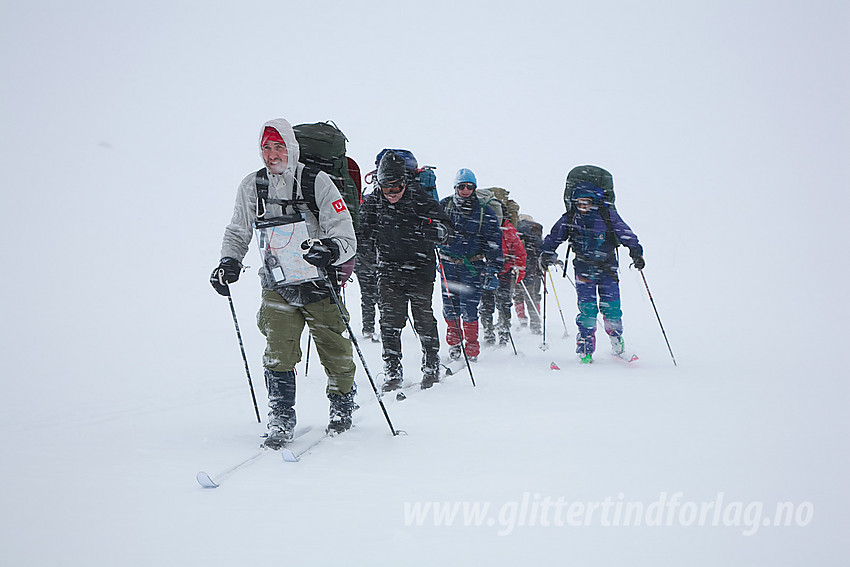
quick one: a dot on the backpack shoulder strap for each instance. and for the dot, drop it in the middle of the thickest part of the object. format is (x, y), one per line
(450, 204)
(482, 207)
(605, 213)
(307, 182)
(571, 219)
(262, 186)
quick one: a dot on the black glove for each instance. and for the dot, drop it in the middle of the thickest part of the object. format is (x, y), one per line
(638, 261)
(490, 280)
(547, 259)
(322, 253)
(433, 230)
(227, 272)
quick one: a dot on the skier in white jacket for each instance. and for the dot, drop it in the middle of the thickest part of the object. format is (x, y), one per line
(286, 306)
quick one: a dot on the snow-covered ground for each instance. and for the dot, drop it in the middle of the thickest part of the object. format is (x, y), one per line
(125, 133)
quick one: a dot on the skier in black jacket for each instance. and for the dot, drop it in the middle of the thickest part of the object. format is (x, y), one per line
(406, 225)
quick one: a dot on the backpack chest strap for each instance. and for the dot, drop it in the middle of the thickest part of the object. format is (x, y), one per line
(308, 192)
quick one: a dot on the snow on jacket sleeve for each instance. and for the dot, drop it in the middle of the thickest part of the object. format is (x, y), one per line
(556, 236)
(368, 216)
(491, 240)
(627, 237)
(238, 234)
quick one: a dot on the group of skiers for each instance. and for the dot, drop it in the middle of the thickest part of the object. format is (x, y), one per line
(487, 256)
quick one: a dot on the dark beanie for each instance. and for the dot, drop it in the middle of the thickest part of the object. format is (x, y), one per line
(391, 170)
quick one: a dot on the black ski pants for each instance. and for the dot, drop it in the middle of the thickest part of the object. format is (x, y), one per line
(399, 288)
(367, 277)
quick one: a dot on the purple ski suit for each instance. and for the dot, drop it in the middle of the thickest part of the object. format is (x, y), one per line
(594, 240)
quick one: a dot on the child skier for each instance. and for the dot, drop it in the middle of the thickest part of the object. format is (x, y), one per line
(594, 230)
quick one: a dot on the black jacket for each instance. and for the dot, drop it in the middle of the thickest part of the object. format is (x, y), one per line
(531, 234)
(405, 234)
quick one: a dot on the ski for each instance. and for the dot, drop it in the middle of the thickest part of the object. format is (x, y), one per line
(400, 395)
(626, 357)
(206, 481)
(454, 367)
(399, 392)
(297, 448)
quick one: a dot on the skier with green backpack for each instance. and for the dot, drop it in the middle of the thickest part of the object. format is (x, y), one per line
(305, 232)
(594, 230)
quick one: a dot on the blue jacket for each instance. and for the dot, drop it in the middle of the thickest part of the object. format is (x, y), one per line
(590, 235)
(477, 238)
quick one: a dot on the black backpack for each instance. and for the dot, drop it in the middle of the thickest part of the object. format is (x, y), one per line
(598, 177)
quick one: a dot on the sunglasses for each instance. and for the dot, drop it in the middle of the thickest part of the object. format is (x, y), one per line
(393, 190)
(466, 186)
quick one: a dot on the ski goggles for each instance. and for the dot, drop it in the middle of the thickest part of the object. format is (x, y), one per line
(394, 189)
(584, 204)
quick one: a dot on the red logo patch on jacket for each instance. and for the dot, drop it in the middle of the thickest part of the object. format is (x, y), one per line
(339, 205)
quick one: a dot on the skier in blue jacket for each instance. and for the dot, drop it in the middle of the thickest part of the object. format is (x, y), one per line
(471, 260)
(594, 230)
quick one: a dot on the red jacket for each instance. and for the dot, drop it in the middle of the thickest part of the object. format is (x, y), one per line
(513, 250)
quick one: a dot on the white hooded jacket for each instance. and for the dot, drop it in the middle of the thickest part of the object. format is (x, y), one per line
(334, 218)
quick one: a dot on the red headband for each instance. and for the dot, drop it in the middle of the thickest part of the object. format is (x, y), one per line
(271, 135)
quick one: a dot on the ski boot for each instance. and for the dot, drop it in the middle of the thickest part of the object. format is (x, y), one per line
(488, 332)
(341, 408)
(393, 375)
(278, 437)
(585, 346)
(618, 345)
(430, 363)
(430, 376)
(281, 390)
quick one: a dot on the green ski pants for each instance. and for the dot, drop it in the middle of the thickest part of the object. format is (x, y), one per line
(282, 324)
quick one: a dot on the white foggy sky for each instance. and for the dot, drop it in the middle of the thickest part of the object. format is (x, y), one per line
(128, 127)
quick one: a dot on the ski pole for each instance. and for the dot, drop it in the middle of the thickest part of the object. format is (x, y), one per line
(307, 363)
(530, 301)
(558, 301)
(457, 318)
(409, 320)
(357, 347)
(544, 346)
(658, 317)
(510, 336)
(241, 347)
(564, 274)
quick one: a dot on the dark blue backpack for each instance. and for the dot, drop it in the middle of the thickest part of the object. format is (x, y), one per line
(424, 176)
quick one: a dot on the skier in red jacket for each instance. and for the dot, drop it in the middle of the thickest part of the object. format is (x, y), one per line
(500, 299)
